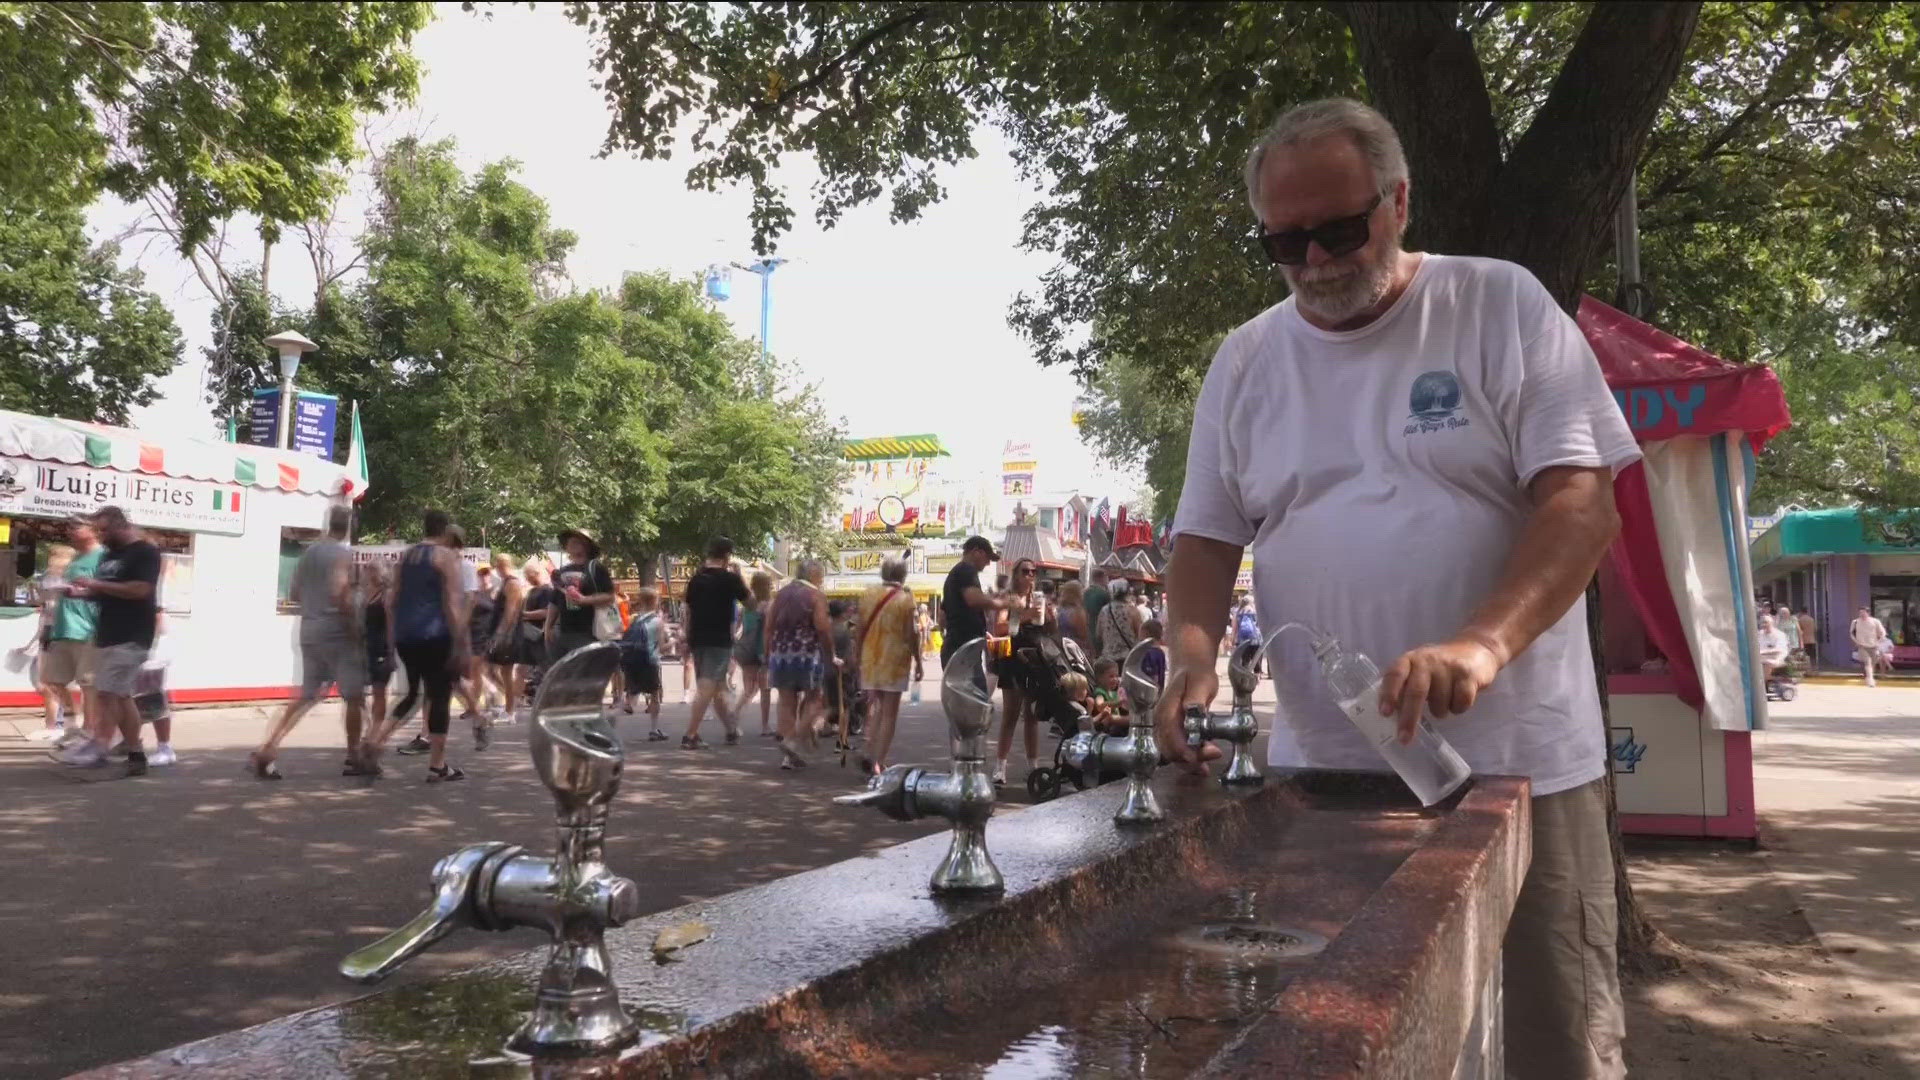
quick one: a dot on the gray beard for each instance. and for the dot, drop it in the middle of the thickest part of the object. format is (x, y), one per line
(1345, 297)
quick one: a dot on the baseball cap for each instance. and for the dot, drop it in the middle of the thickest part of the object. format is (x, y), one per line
(981, 543)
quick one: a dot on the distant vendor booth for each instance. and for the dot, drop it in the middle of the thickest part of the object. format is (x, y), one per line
(1831, 563)
(229, 519)
(1684, 676)
(852, 572)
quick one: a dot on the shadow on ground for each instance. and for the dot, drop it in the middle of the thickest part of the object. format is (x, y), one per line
(140, 914)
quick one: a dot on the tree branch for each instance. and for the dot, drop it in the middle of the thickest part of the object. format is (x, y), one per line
(828, 70)
(1424, 75)
(1559, 188)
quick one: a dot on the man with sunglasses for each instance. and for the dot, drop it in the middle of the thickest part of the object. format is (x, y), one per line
(1419, 449)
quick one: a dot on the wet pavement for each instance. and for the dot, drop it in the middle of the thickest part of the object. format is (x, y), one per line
(144, 913)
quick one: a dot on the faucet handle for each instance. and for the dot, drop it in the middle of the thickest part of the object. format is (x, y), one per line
(1242, 666)
(1143, 694)
(888, 793)
(455, 879)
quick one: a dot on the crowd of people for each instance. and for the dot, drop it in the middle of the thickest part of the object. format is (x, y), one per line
(484, 634)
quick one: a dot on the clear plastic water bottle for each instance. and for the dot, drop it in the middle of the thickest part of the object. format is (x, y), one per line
(914, 697)
(1429, 764)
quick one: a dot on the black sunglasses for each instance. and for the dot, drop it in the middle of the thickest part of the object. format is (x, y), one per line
(1336, 237)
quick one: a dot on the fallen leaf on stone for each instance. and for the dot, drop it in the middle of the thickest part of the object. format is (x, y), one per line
(668, 942)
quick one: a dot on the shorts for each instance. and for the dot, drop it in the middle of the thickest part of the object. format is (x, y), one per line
(117, 669)
(643, 676)
(66, 661)
(568, 640)
(331, 663)
(710, 662)
(379, 667)
(747, 651)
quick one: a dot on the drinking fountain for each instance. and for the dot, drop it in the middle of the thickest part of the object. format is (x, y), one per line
(963, 796)
(573, 896)
(1238, 727)
(1135, 753)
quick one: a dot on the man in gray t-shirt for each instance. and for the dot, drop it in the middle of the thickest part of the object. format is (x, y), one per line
(331, 652)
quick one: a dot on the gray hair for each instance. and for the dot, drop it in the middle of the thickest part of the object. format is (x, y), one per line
(893, 569)
(1379, 144)
(812, 568)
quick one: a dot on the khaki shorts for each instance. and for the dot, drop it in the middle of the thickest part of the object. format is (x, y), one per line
(66, 662)
(332, 663)
(1564, 1018)
(117, 670)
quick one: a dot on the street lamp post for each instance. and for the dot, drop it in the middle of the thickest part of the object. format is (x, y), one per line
(763, 269)
(290, 345)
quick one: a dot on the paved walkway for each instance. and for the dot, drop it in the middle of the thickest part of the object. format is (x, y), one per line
(1837, 781)
(143, 913)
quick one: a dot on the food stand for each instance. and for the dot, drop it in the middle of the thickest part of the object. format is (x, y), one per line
(228, 518)
(1684, 678)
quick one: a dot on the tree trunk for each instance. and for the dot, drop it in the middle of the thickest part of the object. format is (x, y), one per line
(1547, 207)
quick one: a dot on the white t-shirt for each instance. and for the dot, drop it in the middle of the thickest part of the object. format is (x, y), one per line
(1867, 632)
(1380, 476)
(1773, 644)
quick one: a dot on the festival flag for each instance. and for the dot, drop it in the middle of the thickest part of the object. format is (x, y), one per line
(1164, 533)
(1100, 516)
(357, 461)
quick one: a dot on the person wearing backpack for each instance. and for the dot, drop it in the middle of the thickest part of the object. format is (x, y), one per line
(640, 658)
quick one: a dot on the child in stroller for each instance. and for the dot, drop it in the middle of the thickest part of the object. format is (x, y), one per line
(1057, 680)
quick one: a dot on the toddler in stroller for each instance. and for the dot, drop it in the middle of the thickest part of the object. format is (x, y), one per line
(1057, 680)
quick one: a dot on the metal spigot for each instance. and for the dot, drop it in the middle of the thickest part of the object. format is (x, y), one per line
(963, 796)
(1238, 727)
(1135, 753)
(573, 896)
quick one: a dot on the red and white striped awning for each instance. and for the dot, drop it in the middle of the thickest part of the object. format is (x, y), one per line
(100, 446)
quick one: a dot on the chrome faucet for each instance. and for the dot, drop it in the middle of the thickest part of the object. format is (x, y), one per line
(1238, 727)
(572, 896)
(963, 796)
(1136, 753)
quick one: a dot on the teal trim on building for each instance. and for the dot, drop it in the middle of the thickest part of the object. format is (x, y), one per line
(1834, 532)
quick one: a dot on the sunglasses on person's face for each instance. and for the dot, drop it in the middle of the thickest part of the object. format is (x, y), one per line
(1337, 237)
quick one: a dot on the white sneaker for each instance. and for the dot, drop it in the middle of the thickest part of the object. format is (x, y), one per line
(47, 734)
(163, 755)
(85, 756)
(1000, 775)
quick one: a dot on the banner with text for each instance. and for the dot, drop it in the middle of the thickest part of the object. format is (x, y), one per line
(50, 489)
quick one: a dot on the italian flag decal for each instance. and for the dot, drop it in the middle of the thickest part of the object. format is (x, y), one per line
(226, 500)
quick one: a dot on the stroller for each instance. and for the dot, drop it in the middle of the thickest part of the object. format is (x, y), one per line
(1043, 662)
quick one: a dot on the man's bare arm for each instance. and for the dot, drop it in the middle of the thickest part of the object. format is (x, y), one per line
(1199, 588)
(1572, 523)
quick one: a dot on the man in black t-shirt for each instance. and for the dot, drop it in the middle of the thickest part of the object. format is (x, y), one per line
(714, 593)
(963, 603)
(580, 588)
(126, 589)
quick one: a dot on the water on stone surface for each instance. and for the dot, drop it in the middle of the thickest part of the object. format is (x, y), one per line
(1133, 996)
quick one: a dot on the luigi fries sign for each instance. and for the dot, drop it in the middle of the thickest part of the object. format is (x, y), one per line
(50, 489)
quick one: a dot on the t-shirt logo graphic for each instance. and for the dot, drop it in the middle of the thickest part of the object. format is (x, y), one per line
(1434, 403)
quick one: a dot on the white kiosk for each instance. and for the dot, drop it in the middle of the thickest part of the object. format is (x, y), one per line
(1684, 682)
(230, 520)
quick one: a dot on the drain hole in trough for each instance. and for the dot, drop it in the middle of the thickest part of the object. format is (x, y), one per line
(595, 739)
(1251, 941)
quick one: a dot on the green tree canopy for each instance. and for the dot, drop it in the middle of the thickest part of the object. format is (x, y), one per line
(79, 337)
(214, 108)
(492, 389)
(1773, 143)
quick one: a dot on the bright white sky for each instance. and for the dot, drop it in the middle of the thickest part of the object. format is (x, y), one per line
(903, 327)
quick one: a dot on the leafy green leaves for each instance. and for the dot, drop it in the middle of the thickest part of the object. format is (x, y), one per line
(522, 407)
(215, 108)
(79, 337)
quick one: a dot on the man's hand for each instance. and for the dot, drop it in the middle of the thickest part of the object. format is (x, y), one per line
(1446, 678)
(1191, 680)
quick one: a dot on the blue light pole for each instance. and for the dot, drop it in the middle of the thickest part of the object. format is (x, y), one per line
(764, 269)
